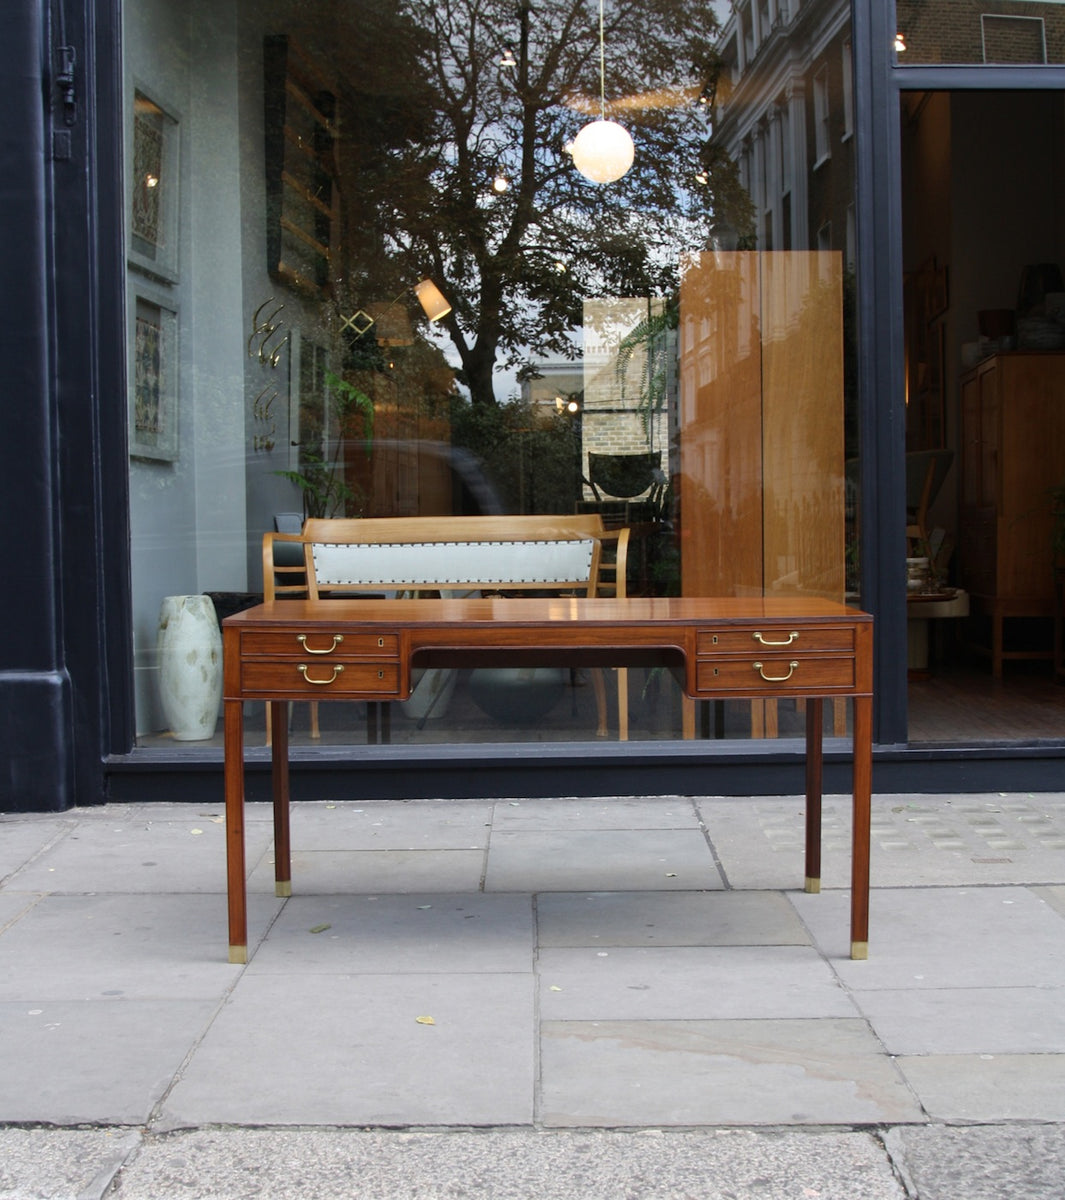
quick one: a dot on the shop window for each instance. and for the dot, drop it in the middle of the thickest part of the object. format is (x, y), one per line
(646, 349)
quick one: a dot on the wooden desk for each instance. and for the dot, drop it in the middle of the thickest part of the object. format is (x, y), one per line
(719, 649)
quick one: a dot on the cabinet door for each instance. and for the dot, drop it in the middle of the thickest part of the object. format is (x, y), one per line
(1032, 460)
(990, 425)
(970, 445)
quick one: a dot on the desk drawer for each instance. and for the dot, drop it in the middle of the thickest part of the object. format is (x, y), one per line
(318, 643)
(775, 639)
(322, 678)
(774, 673)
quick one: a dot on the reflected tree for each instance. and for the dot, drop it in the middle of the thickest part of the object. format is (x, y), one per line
(469, 179)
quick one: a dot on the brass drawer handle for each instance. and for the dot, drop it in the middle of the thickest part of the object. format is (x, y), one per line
(792, 637)
(776, 678)
(321, 682)
(302, 639)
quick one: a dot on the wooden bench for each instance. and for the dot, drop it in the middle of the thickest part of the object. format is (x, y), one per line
(457, 556)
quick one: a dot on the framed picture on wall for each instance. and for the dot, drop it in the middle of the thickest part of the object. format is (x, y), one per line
(153, 380)
(154, 188)
(302, 196)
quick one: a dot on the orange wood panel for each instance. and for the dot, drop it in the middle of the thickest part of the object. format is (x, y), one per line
(761, 438)
(802, 415)
(720, 441)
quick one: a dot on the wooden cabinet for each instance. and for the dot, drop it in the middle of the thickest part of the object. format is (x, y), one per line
(1013, 452)
(762, 494)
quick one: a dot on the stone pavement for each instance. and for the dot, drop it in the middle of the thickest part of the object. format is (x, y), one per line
(545, 998)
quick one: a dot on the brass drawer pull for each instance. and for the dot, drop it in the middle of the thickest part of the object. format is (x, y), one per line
(302, 639)
(776, 678)
(792, 637)
(321, 682)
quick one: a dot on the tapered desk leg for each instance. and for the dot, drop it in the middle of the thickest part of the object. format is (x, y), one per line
(279, 772)
(235, 869)
(815, 718)
(862, 791)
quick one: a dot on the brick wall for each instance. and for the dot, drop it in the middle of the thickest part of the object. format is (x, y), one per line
(951, 31)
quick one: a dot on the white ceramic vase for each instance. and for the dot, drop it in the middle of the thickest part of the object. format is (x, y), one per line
(190, 666)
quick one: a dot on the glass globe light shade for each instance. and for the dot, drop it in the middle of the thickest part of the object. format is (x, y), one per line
(603, 151)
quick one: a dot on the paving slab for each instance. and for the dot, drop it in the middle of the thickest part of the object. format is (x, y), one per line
(23, 838)
(964, 1020)
(760, 841)
(390, 934)
(670, 812)
(103, 1062)
(124, 946)
(1054, 895)
(140, 854)
(679, 1003)
(339, 1050)
(14, 905)
(391, 825)
(688, 983)
(943, 937)
(988, 1087)
(606, 860)
(711, 918)
(915, 840)
(773, 1072)
(510, 1165)
(329, 872)
(1023, 1162)
(62, 1164)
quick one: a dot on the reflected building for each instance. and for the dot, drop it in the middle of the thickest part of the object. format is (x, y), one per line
(787, 120)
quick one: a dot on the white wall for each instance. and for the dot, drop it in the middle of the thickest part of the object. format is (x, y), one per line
(266, 492)
(187, 516)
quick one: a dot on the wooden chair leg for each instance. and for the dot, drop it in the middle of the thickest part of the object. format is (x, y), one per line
(599, 688)
(839, 713)
(687, 712)
(839, 717)
(757, 718)
(623, 704)
(288, 707)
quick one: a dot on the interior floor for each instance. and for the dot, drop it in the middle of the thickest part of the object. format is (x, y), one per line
(960, 702)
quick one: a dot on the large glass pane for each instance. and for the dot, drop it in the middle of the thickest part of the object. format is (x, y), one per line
(373, 273)
(984, 244)
(990, 31)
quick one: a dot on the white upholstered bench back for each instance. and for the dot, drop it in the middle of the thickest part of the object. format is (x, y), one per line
(567, 565)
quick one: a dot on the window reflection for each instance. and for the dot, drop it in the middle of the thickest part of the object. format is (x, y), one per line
(576, 359)
(991, 31)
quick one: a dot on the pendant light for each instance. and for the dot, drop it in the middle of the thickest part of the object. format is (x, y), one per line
(603, 150)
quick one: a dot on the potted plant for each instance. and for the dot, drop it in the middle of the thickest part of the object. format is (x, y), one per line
(320, 475)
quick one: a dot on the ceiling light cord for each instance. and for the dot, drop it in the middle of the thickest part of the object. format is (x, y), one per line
(602, 63)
